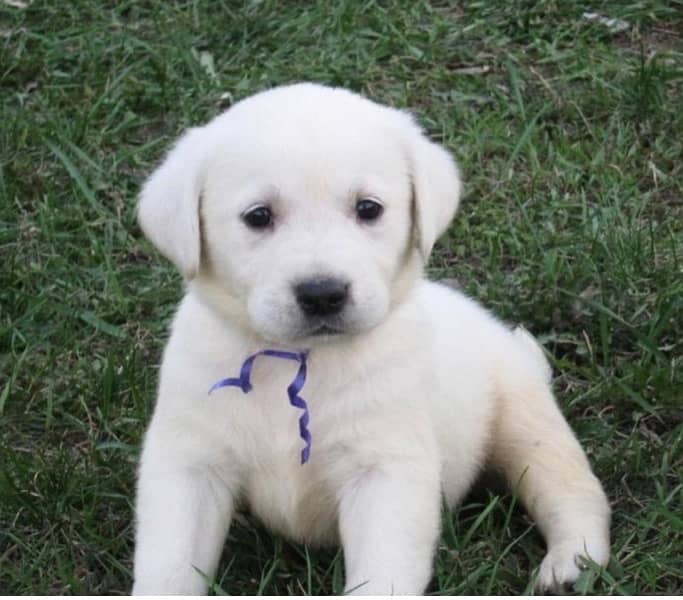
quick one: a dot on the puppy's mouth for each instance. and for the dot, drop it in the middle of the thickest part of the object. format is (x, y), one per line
(324, 329)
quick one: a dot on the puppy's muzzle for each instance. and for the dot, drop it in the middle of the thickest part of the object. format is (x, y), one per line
(323, 297)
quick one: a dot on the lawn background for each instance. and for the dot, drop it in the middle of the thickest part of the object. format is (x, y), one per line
(570, 137)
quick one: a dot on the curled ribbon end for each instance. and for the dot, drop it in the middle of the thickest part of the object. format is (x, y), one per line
(231, 381)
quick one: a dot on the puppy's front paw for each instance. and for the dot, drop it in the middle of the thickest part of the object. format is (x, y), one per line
(565, 561)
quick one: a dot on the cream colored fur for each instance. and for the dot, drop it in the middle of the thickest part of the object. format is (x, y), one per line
(407, 404)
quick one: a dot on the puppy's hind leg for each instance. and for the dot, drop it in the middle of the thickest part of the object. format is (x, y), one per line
(542, 460)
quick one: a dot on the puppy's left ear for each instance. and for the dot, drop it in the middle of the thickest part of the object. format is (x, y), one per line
(437, 188)
(168, 209)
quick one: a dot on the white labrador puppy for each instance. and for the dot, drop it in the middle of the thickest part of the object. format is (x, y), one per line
(301, 220)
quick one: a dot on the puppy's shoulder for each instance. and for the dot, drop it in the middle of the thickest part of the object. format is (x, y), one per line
(446, 298)
(459, 320)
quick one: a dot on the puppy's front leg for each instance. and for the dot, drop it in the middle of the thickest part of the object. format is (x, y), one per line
(389, 525)
(183, 515)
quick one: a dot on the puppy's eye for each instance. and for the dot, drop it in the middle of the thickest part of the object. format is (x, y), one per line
(258, 217)
(368, 210)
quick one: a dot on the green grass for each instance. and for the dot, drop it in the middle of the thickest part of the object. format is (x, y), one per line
(571, 144)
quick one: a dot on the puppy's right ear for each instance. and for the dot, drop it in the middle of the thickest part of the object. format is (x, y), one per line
(168, 209)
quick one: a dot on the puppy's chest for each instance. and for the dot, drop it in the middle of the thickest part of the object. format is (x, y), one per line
(288, 496)
(351, 419)
(292, 499)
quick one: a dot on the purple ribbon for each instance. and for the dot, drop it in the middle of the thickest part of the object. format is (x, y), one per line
(244, 383)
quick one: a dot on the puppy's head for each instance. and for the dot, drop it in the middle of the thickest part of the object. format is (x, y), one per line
(302, 213)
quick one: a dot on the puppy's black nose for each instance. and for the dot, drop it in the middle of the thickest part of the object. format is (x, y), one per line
(321, 297)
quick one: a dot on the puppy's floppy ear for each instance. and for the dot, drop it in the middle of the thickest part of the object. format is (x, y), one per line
(168, 209)
(437, 189)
